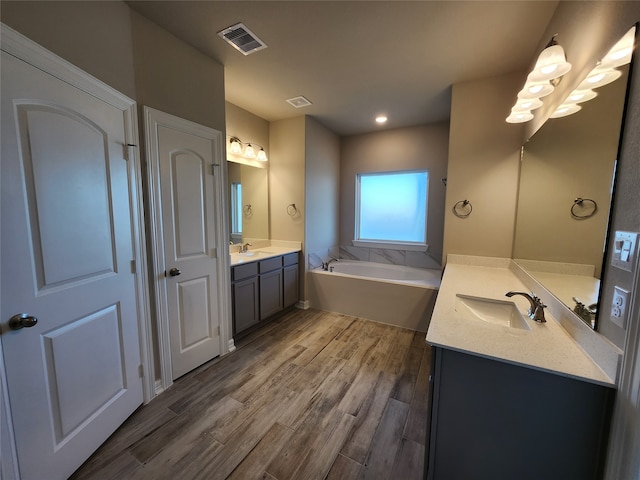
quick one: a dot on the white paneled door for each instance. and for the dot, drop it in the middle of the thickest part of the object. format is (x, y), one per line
(67, 260)
(182, 160)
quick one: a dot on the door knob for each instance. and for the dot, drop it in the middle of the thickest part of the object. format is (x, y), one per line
(22, 320)
(174, 272)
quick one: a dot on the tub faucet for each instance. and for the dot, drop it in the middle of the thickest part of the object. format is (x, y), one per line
(536, 311)
(325, 265)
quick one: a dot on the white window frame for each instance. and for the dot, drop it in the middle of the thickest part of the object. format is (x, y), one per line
(389, 244)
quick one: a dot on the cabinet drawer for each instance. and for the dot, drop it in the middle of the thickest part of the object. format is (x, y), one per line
(244, 271)
(290, 259)
(270, 264)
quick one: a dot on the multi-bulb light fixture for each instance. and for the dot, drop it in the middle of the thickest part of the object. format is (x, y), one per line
(605, 72)
(247, 150)
(550, 66)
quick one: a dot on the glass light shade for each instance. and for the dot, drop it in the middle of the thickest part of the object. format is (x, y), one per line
(519, 117)
(526, 104)
(579, 96)
(566, 109)
(235, 146)
(535, 89)
(599, 77)
(620, 53)
(551, 64)
(262, 155)
(249, 152)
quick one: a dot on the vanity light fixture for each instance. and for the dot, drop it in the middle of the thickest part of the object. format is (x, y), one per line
(550, 65)
(519, 117)
(236, 147)
(604, 73)
(566, 109)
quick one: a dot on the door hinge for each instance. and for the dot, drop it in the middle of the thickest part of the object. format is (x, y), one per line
(213, 168)
(218, 330)
(125, 150)
(133, 266)
(140, 371)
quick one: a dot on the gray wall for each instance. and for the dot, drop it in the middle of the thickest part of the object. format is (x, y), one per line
(421, 147)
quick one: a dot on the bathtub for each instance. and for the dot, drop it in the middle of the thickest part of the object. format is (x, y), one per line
(392, 294)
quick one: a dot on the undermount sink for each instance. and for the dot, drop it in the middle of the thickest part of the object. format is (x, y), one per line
(497, 312)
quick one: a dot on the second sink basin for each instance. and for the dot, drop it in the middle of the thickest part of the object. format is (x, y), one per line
(497, 312)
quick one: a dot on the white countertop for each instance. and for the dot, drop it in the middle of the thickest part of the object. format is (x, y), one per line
(260, 253)
(546, 346)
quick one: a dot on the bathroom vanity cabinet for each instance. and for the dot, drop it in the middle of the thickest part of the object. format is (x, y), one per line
(495, 420)
(263, 289)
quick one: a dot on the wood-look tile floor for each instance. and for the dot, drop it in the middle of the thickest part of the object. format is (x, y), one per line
(313, 395)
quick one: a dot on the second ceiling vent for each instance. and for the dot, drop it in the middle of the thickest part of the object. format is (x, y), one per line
(242, 39)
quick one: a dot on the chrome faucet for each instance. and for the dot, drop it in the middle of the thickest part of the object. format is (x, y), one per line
(536, 310)
(325, 265)
(244, 248)
(585, 312)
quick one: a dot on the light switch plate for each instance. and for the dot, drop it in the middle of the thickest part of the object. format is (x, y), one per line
(624, 250)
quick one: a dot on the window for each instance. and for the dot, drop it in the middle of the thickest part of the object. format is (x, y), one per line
(391, 208)
(236, 208)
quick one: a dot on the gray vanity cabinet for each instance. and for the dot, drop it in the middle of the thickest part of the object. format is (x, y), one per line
(263, 289)
(245, 296)
(499, 421)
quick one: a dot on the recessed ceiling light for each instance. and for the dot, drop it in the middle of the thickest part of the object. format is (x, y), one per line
(381, 119)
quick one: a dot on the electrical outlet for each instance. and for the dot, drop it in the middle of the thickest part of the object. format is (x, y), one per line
(619, 306)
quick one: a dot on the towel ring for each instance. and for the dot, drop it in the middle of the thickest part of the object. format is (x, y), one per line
(247, 210)
(292, 210)
(579, 202)
(460, 209)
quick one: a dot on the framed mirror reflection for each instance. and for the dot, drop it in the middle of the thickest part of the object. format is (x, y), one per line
(567, 180)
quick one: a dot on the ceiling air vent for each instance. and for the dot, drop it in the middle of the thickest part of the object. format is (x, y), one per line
(243, 39)
(299, 102)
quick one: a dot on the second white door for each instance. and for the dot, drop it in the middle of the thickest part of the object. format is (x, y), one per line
(182, 158)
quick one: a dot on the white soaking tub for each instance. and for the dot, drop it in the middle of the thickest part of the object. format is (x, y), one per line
(392, 294)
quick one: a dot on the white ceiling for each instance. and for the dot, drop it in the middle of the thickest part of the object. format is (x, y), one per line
(355, 59)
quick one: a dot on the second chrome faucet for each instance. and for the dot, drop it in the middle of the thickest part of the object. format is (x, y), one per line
(536, 310)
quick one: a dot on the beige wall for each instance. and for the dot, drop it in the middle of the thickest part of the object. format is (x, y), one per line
(176, 78)
(94, 36)
(287, 178)
(484, 153)
(422, 147)
(322, 190)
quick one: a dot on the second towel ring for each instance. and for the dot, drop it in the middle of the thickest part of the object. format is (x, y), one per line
(292, 210)
(460, 209)
(247, 210)
(579, 202)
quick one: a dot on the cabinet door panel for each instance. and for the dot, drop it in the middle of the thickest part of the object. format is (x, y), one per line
(270, 294)
(245, 304)
(290, 279)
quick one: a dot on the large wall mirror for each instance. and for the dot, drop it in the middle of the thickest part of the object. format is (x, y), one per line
(566, 181)
(248, 202)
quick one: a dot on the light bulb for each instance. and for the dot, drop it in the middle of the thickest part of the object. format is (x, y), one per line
(249, 152)
(262, 156)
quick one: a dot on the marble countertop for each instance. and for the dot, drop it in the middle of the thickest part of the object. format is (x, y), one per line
(546, 346)
(261, 253)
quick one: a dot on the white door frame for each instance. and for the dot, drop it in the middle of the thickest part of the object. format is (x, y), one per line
(152, 120)
(25, 49)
